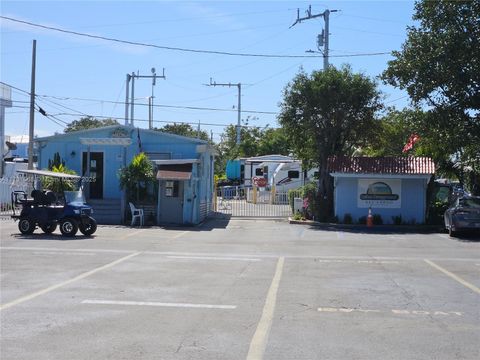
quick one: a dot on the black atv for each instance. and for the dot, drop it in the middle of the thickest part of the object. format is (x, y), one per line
(44, 210)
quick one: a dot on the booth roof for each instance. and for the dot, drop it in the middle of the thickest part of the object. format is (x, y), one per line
(381, 165)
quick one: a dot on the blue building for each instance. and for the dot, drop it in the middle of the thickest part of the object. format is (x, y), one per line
(390, 186)
(183, 165)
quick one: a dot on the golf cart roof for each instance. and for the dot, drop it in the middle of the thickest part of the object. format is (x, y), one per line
(49, 173)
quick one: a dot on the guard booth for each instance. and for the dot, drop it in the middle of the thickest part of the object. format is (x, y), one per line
(177, 195)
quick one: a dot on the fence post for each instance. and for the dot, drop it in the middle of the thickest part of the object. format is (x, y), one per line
(215, 197)
(254, 194)
(272, 195)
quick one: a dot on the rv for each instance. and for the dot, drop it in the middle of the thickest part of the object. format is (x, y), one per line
(283, 172)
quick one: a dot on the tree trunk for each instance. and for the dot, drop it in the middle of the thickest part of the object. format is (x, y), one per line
(325, 193)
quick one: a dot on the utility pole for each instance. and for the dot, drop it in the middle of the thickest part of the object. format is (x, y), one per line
(127, 99)
(323, 38)
(32, 108)
(239, 107)
(132, 77)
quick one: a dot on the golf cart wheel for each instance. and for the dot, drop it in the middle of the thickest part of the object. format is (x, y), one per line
(88, 227)
(69, 227)
(26, 226)
(48, 228)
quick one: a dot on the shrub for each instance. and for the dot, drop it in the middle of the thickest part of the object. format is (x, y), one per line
(347, 218)
(397, 220)
(298, 216)
(362, 220)
(377, 219)
(435, 213)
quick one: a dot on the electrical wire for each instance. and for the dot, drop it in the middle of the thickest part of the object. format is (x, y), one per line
(171, 48)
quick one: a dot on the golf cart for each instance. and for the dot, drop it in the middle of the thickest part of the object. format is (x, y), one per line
(45, 210)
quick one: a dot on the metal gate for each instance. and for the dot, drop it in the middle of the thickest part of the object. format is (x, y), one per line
(237, 201)
(7, 186)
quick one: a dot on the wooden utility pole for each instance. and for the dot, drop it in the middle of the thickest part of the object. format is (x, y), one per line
(32, 109)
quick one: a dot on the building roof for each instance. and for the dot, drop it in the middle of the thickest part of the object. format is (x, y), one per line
(130, 129)
(381, 165)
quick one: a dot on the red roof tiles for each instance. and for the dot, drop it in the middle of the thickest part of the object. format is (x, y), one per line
(381, 165)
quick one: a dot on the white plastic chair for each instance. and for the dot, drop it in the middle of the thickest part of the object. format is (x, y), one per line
(136, 214)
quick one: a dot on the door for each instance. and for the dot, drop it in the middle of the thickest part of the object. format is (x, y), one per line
(96, 173)
(171, 201)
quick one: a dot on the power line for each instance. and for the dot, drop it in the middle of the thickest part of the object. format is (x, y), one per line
(65, 98)
(157, 121)
(135, 43)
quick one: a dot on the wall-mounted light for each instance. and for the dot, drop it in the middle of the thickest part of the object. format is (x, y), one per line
(73, 153)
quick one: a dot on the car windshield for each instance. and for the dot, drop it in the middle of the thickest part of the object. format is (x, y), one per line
(74, 197)
(472, 203)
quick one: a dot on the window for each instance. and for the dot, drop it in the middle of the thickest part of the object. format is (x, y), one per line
(258, 172)
(294, 174)
(171, 188)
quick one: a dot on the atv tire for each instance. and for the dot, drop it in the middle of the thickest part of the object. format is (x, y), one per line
(88, 227)
(69, 227)
(26, 225)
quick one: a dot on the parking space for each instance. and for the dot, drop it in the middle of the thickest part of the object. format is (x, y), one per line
(373, 309)
(239, 290)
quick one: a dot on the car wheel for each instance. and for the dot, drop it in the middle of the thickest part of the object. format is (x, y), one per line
(451, 232)
(26, 226)
(89, 227)
(48, 228)
(69, 227)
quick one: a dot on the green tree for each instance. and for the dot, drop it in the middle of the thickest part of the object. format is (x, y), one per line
(57, 185)
(328, 113)
(392, 131)
(184, 130)
(439, 67)
(56, 162)
(255, 141)
(136, 177)
(89, 122)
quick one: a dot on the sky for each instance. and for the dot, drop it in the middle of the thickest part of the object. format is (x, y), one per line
(78, 75)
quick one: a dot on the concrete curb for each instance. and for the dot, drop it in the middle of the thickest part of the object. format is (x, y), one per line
(423, 229)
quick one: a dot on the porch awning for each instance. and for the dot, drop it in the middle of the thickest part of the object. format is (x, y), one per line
(175, 172)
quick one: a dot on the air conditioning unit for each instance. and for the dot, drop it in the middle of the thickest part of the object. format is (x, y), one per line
(297, 205)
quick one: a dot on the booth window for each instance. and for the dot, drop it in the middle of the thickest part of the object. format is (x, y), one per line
(294, 174)
(258, 172)
(171, 188)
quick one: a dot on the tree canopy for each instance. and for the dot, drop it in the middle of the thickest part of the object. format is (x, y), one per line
(184, 130)
(439, 67)
(255, 141)
(328, 113)
(89, 122)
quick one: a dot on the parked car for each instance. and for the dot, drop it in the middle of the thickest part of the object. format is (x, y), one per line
(463, 215)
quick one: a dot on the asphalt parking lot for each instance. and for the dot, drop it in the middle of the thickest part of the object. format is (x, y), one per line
(239, 289)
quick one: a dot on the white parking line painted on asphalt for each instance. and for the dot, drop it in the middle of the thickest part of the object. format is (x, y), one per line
(160, 304)
(260, 338)
(93, 251)
(453, 276)
(129, 235)
(357, 261)
(78, 253)
(212, 258)
(391, 311)
(180, 234)
(76, 278)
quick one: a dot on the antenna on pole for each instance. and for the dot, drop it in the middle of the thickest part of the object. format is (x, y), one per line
(323, 38)
(131, 102)
(239, 87)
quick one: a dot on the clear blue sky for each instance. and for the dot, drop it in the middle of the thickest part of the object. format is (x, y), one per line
(81, 75)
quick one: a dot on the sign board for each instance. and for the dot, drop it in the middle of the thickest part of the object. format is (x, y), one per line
(379, 193)
(259, 181)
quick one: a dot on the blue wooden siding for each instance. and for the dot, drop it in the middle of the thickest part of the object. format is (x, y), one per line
(413, 201)
(199, 189)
